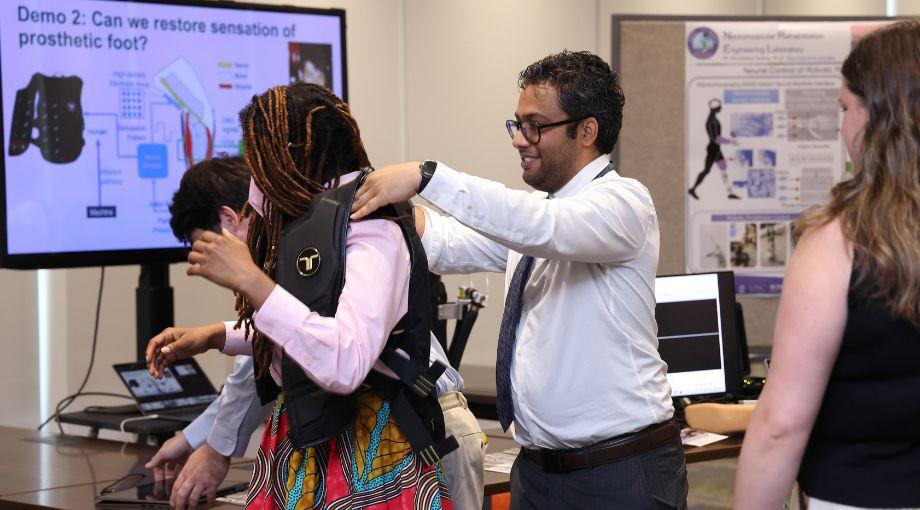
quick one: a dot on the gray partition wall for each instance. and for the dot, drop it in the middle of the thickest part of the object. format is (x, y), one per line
(649, 52)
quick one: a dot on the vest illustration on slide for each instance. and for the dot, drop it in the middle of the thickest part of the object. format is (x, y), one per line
(48, 113)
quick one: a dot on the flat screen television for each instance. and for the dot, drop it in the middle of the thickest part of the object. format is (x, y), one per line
(106, 103)
(698, 333)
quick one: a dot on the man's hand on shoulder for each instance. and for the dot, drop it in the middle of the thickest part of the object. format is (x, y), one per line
(203, 472)
(387, 185)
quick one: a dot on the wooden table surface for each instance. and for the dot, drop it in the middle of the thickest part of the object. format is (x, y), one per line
(47, 471)
(29, 464)
(42, 471)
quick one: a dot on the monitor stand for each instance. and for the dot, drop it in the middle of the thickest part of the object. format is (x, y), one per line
(154, 300)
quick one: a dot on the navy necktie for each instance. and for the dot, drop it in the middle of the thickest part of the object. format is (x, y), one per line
(506, 337)
(506, 334)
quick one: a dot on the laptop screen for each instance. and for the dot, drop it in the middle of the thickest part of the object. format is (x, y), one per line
(183, 384)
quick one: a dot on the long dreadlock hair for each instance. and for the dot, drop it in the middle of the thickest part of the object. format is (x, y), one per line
(295, 138)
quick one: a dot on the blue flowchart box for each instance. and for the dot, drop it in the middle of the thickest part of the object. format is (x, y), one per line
(151, 161)
(751, 96)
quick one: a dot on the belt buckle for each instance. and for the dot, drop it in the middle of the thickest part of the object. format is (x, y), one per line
(551, 462)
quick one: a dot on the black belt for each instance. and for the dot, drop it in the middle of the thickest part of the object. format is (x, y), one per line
(609, 450)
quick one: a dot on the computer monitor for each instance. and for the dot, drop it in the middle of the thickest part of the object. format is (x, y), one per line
(105, 104)
(698, 333)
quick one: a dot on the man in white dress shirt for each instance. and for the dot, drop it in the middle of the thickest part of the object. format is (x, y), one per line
(578, 369)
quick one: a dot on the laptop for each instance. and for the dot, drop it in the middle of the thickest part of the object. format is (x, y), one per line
(182, 394)
(138, 489)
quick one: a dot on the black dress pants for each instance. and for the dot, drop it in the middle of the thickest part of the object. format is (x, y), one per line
(654, 480)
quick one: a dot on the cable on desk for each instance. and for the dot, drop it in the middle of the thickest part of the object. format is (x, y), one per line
(136, 418)
(66, 401)
(58, 409)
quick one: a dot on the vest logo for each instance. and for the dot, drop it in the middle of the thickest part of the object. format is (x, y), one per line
(308, 261)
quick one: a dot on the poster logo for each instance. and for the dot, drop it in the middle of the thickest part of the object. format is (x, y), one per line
(703, 42)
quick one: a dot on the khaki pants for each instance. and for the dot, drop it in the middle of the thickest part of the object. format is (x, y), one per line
(463, 467)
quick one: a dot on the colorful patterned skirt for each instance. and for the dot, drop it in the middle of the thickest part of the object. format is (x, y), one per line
(369, 465)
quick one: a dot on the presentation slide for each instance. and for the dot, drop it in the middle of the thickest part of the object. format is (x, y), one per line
(105, 104)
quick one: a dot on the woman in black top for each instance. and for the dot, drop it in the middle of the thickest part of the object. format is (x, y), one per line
(840, 412)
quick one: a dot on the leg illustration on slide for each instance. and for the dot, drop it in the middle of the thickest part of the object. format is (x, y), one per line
(714, 151)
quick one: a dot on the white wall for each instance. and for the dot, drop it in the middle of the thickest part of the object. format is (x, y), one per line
(905, 7)
(427, 79)
(824, 8)
(19, 342)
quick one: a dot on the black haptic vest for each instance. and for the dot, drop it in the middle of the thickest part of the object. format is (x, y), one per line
(311, 266)
(50, 106)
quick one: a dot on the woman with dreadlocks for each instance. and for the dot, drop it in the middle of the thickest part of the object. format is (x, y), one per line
(300, 140)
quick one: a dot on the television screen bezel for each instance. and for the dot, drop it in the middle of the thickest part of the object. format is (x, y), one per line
(54, 260)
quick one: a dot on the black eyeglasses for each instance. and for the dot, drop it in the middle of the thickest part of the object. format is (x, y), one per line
(531, 130)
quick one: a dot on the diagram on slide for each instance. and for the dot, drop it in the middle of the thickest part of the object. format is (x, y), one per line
(171, 110)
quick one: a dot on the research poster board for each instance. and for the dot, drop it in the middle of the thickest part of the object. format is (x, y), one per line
(762, 142)
(106, 103)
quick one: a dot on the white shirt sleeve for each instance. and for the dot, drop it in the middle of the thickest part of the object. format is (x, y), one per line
(454, 248)
(608, 222)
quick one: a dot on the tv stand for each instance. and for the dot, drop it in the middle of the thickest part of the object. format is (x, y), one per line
(154, 300)
(155, 312)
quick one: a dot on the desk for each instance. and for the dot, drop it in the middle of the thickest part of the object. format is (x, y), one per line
(37, 473)
(159, 429)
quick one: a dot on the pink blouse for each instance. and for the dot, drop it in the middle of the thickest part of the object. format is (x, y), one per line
(338, 352)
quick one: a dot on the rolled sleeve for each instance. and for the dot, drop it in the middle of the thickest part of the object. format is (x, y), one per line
(235, 342)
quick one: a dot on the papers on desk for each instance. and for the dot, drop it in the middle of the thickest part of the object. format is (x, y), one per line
(697, 437)
(501, 462)
(237, 498)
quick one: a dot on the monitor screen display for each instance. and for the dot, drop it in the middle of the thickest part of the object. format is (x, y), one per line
(698, 334)
(106, 103)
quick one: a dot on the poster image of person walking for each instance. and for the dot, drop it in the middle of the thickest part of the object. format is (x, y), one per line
(714, 151)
